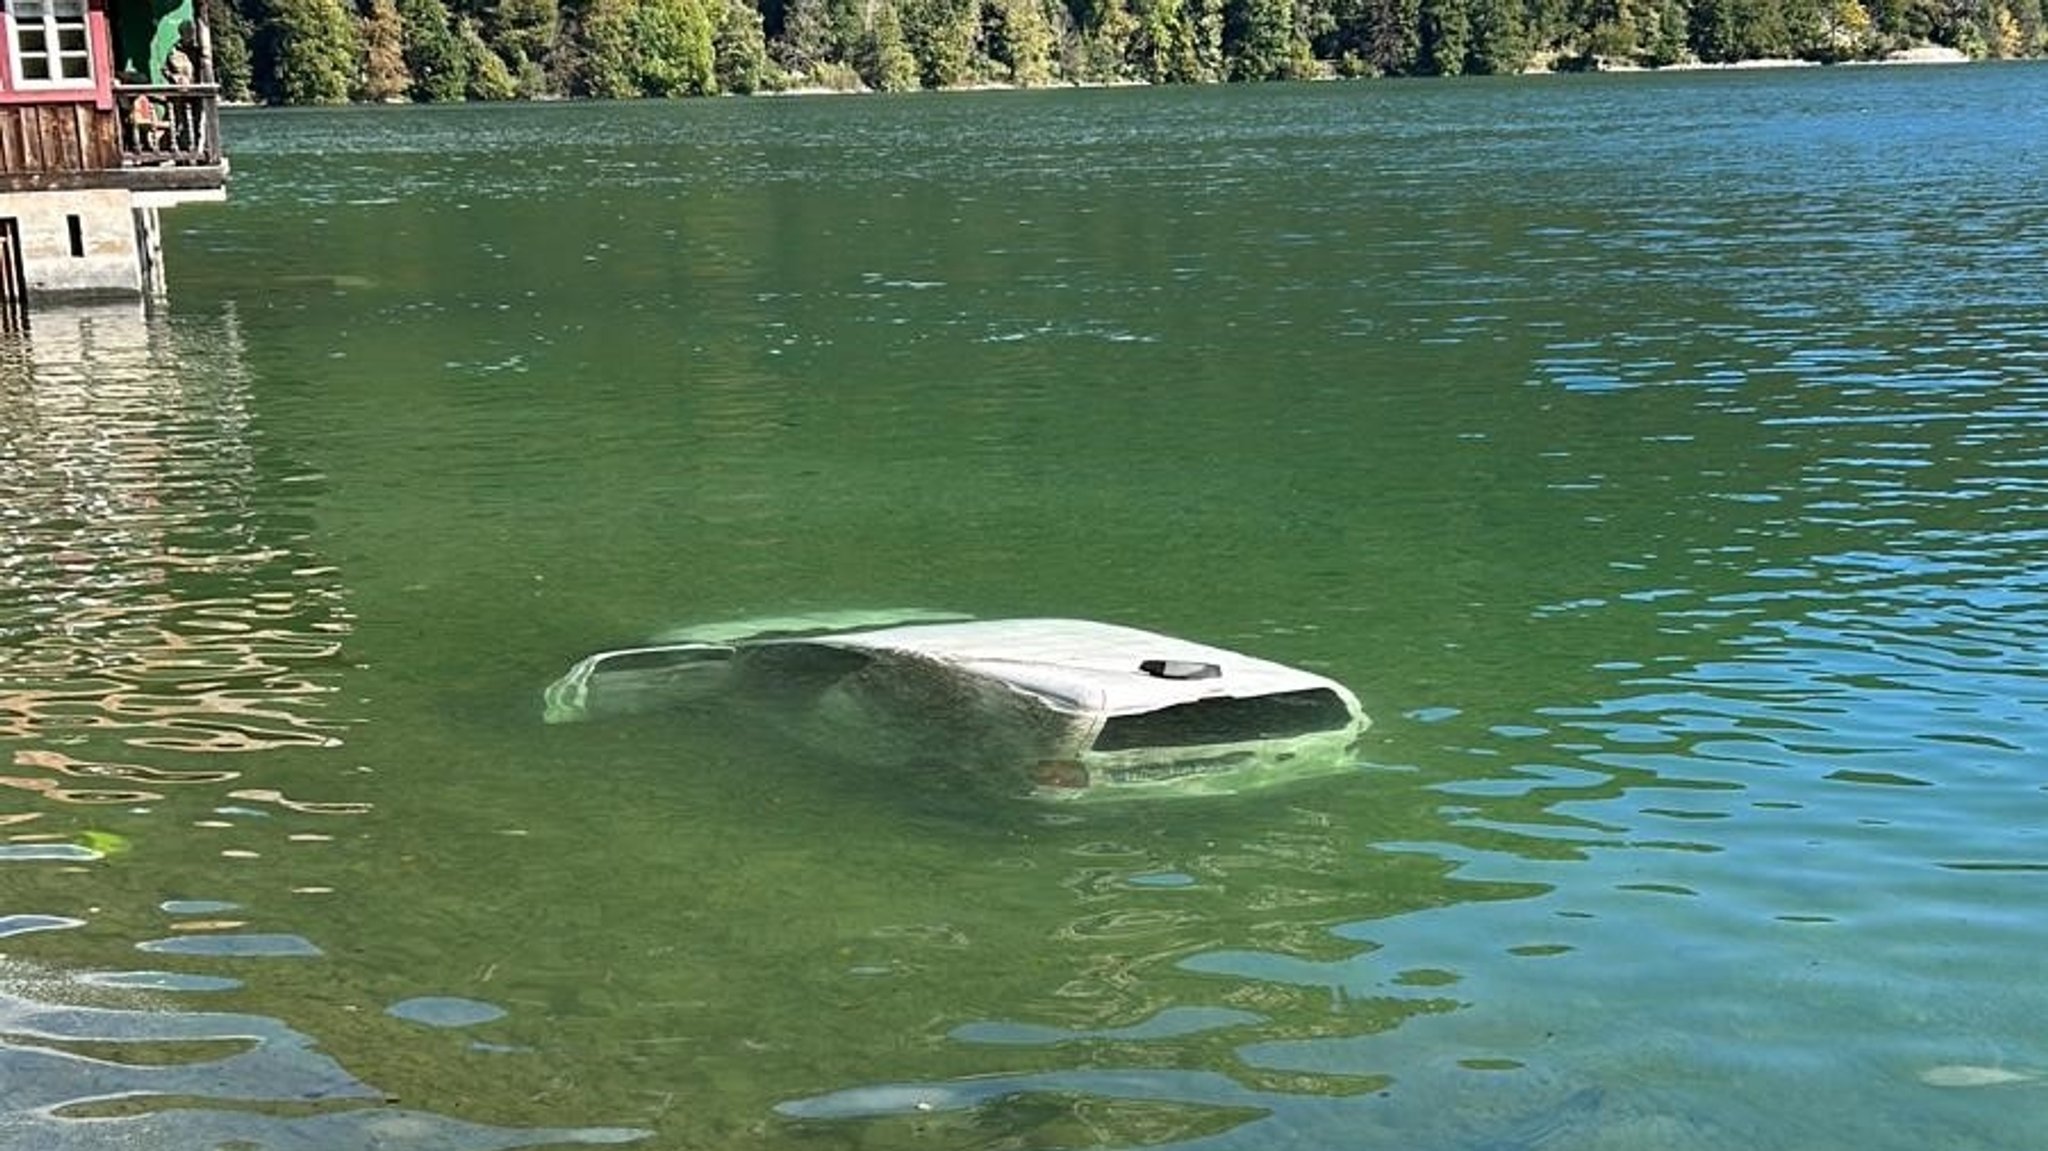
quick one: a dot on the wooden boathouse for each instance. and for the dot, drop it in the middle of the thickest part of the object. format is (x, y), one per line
(108, 114)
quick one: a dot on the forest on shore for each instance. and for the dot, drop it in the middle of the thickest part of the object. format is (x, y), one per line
(332, 51)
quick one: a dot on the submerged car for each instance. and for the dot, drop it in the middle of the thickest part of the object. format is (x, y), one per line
(1062, 708)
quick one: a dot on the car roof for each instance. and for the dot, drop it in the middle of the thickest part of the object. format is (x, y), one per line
(1090, 665)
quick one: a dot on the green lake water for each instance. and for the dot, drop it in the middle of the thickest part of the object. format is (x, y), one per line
(1662, 459)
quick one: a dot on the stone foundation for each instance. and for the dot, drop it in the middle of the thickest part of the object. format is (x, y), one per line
(79, 244)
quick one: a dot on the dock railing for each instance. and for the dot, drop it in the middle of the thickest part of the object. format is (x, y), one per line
(169, 124)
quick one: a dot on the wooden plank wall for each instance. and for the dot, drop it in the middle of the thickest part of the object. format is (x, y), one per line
(37, 138)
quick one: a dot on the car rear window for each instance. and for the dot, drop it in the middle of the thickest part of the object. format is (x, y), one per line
(1203, 721)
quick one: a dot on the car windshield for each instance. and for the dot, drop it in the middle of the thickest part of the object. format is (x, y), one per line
(1227, 720)
(657, 658)
(634, 680)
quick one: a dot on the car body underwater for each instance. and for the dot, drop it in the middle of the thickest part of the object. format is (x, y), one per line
(1060, 708)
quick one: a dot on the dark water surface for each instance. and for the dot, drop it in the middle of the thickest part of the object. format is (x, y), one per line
(1664, 461)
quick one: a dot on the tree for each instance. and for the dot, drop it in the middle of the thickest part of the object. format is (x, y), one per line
(1890, 18)
(489, 79)
(1158, 39)
(739, 48)
(1610, 40)
(1548, 25)
(1392, 36)
(944, 36)
(1663, 35)
(1107, 34)
(1768, 28)
(531, 80)
(310, 51)
(1802, 25)
(808, 38)
(1205, 43)
(1444, 36)
(1177, 41)
(673, 51)
(2005, 39)
(884, 61)
(2033, 22)
(604, 56)
(523, 29)
(307, 52)
(1262, 41)
(1020, 38)
(1845, 30)
(433, 57)
(230, 48)
(382, 36)
(1714, 31)
(1500, 42)
(1342, 39)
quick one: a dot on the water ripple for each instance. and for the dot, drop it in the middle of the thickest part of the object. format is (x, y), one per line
(147, 598)
(54, 1096)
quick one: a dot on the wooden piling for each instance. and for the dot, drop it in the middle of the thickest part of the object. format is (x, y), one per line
(149, 246)
(13, 280)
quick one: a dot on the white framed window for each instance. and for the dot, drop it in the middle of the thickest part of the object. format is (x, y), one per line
(49, 47)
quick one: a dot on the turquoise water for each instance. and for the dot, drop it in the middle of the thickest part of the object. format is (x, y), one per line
(1659, 458)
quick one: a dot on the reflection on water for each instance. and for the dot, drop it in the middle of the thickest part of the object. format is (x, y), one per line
(446, 1011)
(157, 607)
(157, 981)
(1174, 1021)
(228, 945)
(149, 600)
(157, 600)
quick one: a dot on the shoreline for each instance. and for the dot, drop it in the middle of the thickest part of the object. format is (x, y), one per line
(1925, 54)
(1921, 54)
